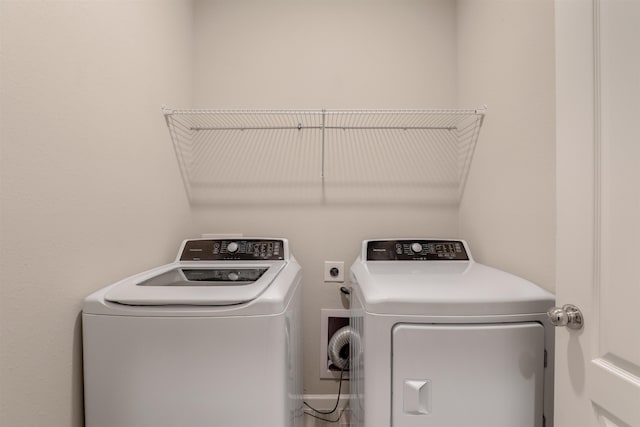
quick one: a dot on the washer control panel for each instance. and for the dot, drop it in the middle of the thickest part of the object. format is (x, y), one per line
(416, 250)
(232, 250)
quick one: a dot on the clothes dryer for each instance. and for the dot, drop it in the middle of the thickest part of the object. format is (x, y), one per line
(211, 339)
(446, 341)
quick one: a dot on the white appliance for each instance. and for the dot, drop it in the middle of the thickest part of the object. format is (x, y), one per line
(212, 339)
(445, 341)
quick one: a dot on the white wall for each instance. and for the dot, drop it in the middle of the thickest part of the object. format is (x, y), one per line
(90, 187)
(506, 60)
(333, 54)
(87, 167)
(330, 53)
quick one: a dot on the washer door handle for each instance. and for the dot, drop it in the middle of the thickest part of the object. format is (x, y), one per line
(568, 315)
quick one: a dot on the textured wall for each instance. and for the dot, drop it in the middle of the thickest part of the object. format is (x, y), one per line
(506, 60)
(90, 190)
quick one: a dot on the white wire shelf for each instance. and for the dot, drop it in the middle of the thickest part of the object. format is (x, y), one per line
(221, 152)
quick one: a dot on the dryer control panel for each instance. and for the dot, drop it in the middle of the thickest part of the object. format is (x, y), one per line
(416, 250)
(233, 250)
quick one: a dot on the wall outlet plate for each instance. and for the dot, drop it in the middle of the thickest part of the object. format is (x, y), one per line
(334, 271)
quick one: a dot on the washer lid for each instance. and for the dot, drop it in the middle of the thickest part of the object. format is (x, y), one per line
(197, 284)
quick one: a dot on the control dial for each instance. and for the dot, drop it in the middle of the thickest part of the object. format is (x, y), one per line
(232, 247)
(416, 247)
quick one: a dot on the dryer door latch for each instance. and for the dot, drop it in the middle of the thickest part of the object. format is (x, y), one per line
(417, 397)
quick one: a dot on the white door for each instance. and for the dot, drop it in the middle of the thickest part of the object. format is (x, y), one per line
(598, 206)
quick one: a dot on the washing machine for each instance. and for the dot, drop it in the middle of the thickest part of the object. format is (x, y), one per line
(211, 339)
(445, 341)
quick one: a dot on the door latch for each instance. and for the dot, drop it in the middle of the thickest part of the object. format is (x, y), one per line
(568, 315)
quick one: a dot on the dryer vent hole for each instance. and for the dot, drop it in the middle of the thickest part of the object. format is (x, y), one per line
(344, 351)
(332, 321)
(334, 325)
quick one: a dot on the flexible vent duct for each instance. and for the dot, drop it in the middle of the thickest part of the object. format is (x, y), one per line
(339, 346)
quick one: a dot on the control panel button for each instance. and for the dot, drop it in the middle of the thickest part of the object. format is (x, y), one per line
(416, 247)
(232, 247)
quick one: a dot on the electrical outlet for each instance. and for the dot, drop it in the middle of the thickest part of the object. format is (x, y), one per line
(334, 271)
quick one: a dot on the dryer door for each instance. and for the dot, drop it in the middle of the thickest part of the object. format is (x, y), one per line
(463, 375)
